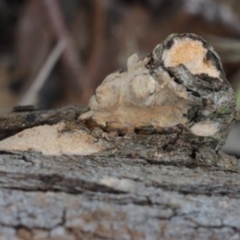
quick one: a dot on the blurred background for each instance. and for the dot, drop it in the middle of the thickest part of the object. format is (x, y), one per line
(56, 52)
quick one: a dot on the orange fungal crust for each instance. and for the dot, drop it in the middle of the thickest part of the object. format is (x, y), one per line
(192, 55)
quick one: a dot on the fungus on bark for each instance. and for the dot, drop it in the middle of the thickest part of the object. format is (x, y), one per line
(182, 83)
(180, 86)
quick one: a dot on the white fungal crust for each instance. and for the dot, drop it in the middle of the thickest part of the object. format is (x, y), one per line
(52, 140)
(164, 90)
(205, 128)
(137, 98)
(181, 83)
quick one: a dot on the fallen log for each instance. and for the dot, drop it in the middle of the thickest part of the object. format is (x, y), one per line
(143, 162)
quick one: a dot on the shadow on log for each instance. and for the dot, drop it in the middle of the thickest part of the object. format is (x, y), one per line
(157, 172)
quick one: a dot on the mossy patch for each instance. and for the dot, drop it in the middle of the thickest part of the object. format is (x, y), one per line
(224, 110)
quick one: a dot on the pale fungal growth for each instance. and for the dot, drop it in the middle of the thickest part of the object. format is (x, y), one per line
(205, 129)
(53, 140)
(179, 89)
(138, 98)
(181, 84)
(192, 54)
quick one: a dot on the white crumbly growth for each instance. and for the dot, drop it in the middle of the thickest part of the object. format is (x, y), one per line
(205, 129)
(138, 98)
(51, 140)
(126, 101)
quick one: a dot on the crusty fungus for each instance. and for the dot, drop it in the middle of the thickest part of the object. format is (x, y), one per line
(180, 88)
(191, 54)
(53, 140)
(138, 98)
(182, 83)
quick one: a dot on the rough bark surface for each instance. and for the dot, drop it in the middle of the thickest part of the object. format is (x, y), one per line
(157, 172)
(26, 117)
(128, 195)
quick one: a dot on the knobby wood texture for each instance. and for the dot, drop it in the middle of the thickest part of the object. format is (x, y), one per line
(128, 195)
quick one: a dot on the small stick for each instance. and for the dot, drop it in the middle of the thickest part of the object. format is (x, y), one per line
(30, 97)
(99, 23)
(228, 48)
(70, 58)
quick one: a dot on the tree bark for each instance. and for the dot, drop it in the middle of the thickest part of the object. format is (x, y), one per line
(143, 162)
(180, 195)
(26, 117)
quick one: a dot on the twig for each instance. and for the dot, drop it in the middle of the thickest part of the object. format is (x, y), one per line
(228, 48)
(70, 58)
(97, 48)
(215, 11)
(30, 98)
